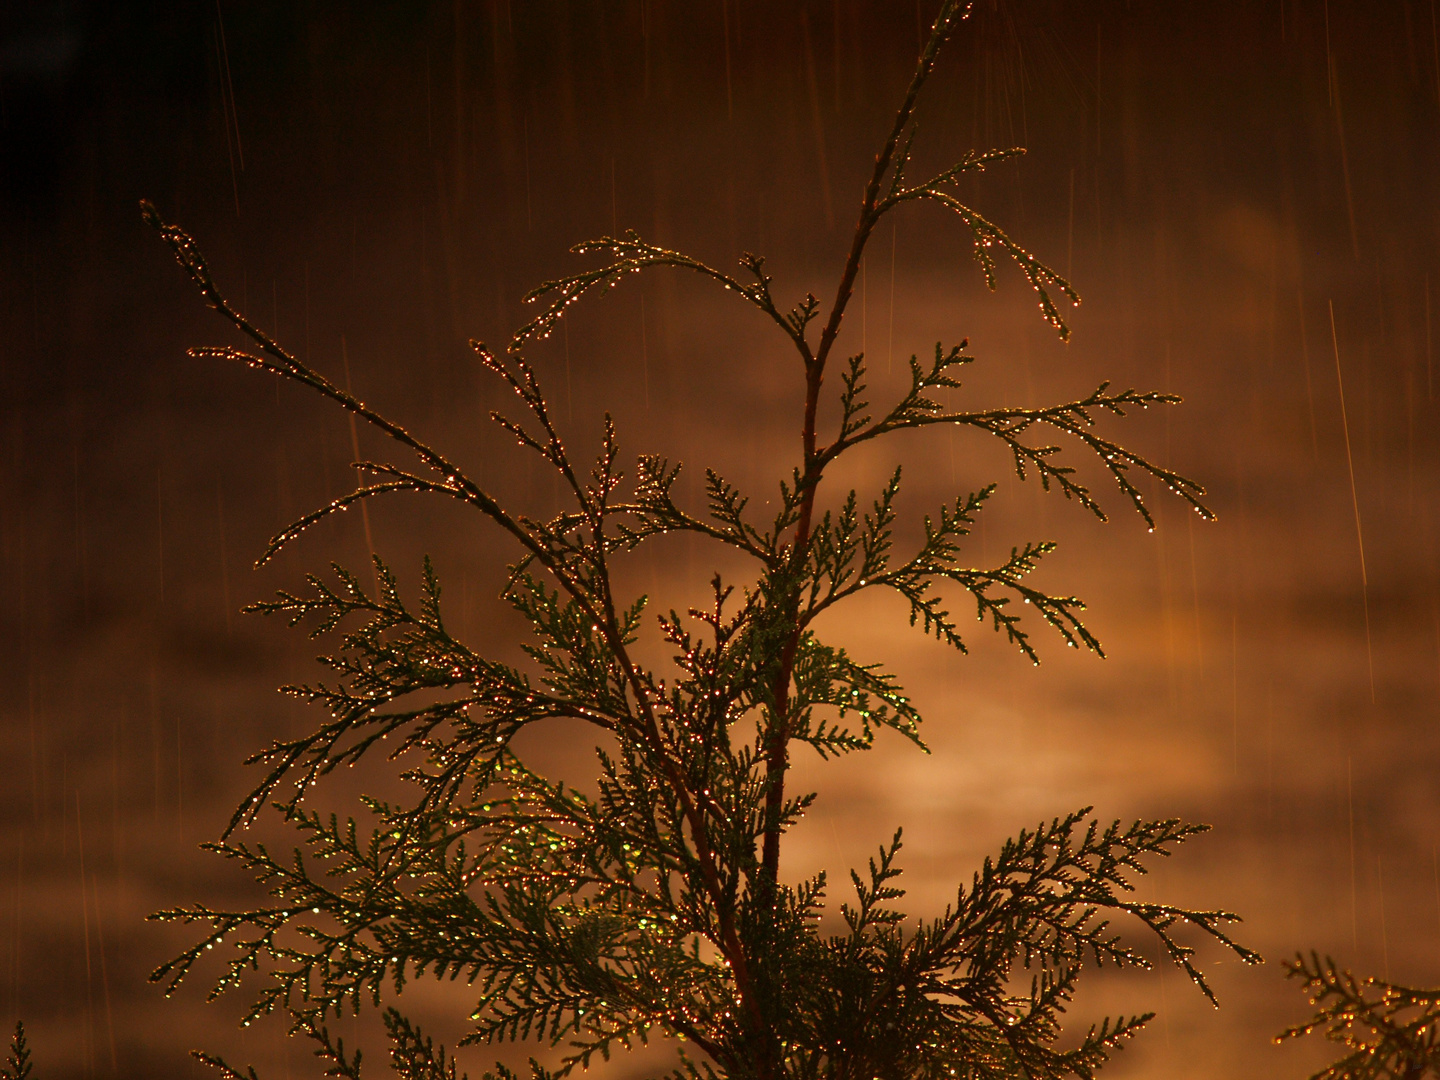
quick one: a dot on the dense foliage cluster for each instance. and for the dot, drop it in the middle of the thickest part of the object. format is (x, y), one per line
(653, 903)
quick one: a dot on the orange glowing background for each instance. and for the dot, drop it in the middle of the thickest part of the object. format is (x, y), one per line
(1220, 180)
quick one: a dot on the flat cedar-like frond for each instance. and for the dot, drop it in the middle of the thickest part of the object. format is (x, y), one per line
(413, 1055)
(826, 676)
(1387, 1031)
(1042, 907)
(395, 653)
(1044, 899)
(648, 902)
(920, 407)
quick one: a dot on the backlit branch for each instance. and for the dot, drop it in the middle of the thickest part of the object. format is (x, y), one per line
(1387, 1031)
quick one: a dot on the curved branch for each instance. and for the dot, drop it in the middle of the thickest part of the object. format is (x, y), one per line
(634, 255)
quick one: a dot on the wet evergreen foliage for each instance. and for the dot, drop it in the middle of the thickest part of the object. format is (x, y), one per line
(1388, 1031)
(17, 1063)
(653, 906)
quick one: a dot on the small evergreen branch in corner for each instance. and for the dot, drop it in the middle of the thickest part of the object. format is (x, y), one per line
(17, 1062)
(1387, 1031)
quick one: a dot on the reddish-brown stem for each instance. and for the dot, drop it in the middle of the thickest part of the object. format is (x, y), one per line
(778, 737)
(730, 943)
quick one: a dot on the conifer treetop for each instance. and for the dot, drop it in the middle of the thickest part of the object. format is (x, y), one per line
(652, 903)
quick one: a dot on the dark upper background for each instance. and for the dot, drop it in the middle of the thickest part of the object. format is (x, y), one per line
(377, 184)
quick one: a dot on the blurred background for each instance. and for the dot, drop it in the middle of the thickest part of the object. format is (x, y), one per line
(1244, 192)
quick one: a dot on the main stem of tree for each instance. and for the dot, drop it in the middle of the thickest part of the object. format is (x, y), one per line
(777, 755)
